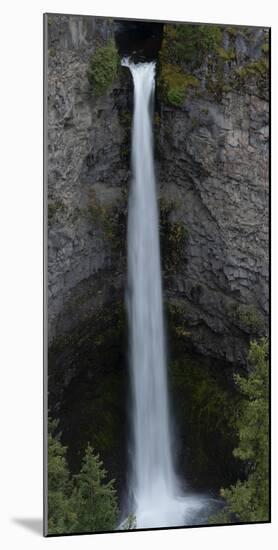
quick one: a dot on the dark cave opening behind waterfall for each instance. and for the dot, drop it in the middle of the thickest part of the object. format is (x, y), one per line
(140, 41)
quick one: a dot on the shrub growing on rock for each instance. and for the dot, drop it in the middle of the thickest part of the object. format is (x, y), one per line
(175, 84)
(103, 68)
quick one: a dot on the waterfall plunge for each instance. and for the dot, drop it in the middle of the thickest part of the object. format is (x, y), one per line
(157, 499)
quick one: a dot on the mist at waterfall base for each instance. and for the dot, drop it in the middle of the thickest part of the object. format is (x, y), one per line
(157, 499)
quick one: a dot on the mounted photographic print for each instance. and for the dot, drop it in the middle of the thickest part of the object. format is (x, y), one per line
(156, 397)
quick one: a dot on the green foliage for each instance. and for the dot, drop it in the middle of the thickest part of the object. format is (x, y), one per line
(175, 84)
(83, 503)
(61, 516)
(97, 343)
(101, 216)
(232, 31)
(110, 218)
(226, 55)
(249, 318)
(95, 501)
(248, 500)
(189, 43)
(103, 68)
(184, 46)
(207, 402)
(255, 69)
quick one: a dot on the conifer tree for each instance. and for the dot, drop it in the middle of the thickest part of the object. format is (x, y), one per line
(95, 500)
(61, 517)
(248, 500)
(84, 502)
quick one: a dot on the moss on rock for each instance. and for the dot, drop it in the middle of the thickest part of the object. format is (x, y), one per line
(175, 84)
(87, 379)
(103, 68)
(225, 54)
(190, 53)
(257, 69)
(189, 43)
(110, 218)
(206, 405)
(249, 318)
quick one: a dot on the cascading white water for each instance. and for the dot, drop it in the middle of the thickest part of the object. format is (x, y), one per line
(154, 479)
(154, 484)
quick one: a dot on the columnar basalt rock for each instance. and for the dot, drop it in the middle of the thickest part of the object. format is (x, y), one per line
(88, 172)
(212, 165)
(213, 169)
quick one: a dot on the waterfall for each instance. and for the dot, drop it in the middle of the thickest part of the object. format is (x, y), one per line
(154, 486)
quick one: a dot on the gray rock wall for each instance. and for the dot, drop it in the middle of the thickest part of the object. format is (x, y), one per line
(212, 166)
(87, 176)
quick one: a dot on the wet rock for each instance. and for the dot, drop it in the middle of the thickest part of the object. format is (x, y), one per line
(213, 167)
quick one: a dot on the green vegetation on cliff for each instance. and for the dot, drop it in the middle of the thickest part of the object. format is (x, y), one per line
(248, 500)
(210, 53)
(81, 503)
(257, 69)
(61, 514)
(175, 84)
(207, 409)
(189, 43)
(183, 50)
(103, 68)
(249, 319)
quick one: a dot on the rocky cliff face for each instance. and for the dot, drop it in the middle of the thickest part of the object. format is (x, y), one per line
(87, 176)
(211, 151)
(88, 173)
(212, 166)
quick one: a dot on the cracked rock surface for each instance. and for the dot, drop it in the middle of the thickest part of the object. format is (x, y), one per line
(212, 168)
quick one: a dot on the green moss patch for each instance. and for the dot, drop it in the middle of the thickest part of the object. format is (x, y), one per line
(110, 218)
(183, 50)
(258, 69)
(207, 407)
(249, 319)
(187, 49)
(175, 84)
(225, 54)
(103, 68)
(189, 43)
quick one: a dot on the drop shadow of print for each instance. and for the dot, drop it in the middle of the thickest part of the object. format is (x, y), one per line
(35, 525)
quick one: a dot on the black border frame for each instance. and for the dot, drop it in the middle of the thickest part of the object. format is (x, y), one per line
(45, 277)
